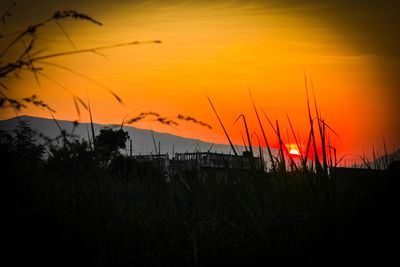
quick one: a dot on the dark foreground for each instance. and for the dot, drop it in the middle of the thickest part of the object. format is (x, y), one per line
(76, 209)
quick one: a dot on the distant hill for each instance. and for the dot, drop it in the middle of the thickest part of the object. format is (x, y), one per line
(142, 139)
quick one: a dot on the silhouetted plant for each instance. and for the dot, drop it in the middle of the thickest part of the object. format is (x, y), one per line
(21, 150)
(73, 157)
(31, 59)
(108, 143)
(26, 145)
(7, 150)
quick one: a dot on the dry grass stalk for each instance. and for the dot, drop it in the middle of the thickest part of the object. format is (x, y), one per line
(247, 133)
(194, 120)
(223, 127)
(29, 58)
(264, 135)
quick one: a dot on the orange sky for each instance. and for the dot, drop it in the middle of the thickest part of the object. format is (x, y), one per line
(220, 50)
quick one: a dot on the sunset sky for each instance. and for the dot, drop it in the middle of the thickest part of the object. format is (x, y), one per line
(222, 49)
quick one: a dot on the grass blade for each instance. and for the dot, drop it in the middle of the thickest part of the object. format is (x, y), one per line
(223, 127)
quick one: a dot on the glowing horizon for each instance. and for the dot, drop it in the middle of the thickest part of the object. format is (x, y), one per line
(221, 50)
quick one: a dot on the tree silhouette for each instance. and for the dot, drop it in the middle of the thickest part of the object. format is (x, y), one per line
(108, 143)
(20, 151)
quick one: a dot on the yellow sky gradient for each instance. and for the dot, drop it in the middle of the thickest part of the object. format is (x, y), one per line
(220, 51)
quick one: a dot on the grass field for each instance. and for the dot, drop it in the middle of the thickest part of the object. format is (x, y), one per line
(73, 209)
(86, 204)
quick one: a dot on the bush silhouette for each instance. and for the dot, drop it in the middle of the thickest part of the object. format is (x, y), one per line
(20, 151)
(108, 143)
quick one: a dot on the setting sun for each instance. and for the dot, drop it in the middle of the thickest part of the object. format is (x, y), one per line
(294, 152)
(200, 133)
(214, 49)
(293, 149)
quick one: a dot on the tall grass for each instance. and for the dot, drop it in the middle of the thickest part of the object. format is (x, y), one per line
(127, 212)
(132, 216)
(72, 208)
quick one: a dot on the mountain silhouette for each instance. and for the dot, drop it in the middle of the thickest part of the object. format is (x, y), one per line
(142, 140)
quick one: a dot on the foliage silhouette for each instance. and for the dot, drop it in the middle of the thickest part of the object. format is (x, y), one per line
(118, 211)
(108, 143)
(31, 59)
(20, 152)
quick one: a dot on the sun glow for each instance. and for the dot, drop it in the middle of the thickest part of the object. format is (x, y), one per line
(293, 149)
(294, 152)
(209, 50)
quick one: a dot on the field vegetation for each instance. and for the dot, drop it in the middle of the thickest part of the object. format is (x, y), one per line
(86, 203)
(80, 202)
